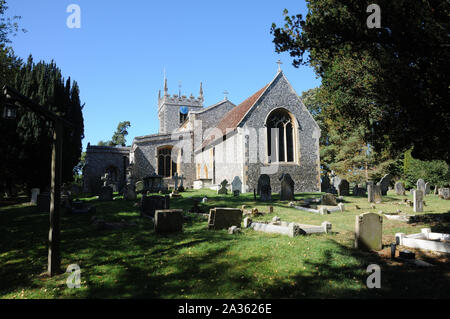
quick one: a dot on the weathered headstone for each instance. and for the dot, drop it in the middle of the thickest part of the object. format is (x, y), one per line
(34, 194)
(368, 231)
(359, 191)
(223, 187)
(417, 200)
(421, 185)
(43, 202)
(129, 192)
(328, 200)
(224, 218)
(263, 179)
(106, 193)
(168, 220)
(236, 185)
(384, 183)
(427, 188)
(149, 204)
(399, 188)
(287, 187)
(436, 190)
(266, 193)
(343, 188)
(444, 193)
(325, 185)
(374, 193)
(139, 187)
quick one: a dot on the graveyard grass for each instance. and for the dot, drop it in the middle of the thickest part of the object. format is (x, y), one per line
(201, 263)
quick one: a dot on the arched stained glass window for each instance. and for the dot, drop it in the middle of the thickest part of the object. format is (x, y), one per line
(280, 136)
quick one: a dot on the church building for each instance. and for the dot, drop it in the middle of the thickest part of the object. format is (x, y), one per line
(271, 132)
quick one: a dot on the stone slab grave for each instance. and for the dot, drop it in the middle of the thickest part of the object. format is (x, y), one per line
(404, 217)
(149, 204)
(202, 183)
(425, 240)
(168, 220)
(329, 205)
(368, 231)
(80, 207)
(224, 218)
(289, 229)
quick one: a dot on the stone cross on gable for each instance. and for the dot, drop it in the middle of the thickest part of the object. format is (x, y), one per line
(279, 65)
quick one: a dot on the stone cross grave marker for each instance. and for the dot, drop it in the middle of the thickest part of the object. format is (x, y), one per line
(223, 187)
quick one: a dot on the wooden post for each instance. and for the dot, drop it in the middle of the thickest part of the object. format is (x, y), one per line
(54, 257)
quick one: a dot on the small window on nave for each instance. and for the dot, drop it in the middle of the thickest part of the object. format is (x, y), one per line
(166, 167)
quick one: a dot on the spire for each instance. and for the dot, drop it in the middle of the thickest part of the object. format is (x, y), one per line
(201, 91)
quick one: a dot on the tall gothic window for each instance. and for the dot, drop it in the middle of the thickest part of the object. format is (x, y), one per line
(280, 142)
(166, 167)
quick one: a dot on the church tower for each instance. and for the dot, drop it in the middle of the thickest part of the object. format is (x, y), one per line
(173, 109)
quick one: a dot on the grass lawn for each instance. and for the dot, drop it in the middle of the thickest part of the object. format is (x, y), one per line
(201, 263)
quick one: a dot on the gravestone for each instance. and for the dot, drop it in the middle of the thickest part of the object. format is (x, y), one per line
(358, 191)
(399, 188)
(129, 192)
(374, 193)
(287, 187)
(436, 190)
(420, 185)
(444, 193)
(325, 185)
(34, 194)
(427, 188)
(328, 200)
(149, 204)
(384, 183)
(151, 183)
(266, 193)
(139, 187)
(168, 220)
(43, 202)
(343, 188)
(224, 218)
(417, 200)
(335, 180)
(106, 193)
(223, 187)
(236, 185)
(263, 179)
(368, 231)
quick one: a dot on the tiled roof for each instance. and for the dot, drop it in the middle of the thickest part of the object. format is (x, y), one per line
(232, 119)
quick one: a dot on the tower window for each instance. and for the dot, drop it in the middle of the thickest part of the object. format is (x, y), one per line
(184, 110)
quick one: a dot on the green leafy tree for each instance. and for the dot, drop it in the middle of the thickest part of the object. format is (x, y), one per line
(392, 80)
(119, 137)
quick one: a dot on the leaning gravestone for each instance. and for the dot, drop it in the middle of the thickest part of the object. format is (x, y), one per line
(421, 185)
(343, 188)
(417, 200)
(168, 220)
(224, 218)
(263, 179)
(399, 188)
(149, 204)
(106, 193)
(368, 231)
(223, 187)
(34, 194)
(287, 187)
(328, 200)
(427, 188)
(236, 185)
(325, 185)
(384, 183)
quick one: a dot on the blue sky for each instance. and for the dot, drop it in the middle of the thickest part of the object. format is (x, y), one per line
(119, 53)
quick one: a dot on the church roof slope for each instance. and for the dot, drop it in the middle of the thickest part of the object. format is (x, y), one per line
(232, 119)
